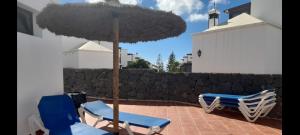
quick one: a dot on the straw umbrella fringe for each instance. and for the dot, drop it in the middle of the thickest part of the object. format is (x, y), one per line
(135, 23)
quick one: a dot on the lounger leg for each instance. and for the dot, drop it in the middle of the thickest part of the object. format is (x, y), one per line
(262, 110)
(81, 114)
(268, 111)
(126, 126)
(34, 121)
(155, 129)
(245, 115)
(212, 106)
(98, 120)
(109, 123)
(220, 107)
(31, 125)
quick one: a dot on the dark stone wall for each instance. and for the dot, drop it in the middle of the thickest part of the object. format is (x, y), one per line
(184, 87)
(186, 67)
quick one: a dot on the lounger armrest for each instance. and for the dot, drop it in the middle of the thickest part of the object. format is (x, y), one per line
(35, 121)
(260, 96)
(255, 95)
(81, 114)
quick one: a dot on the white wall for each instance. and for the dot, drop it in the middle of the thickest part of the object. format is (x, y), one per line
(106, 44)
(69, 43)
(268, 10)
(249, 49)
(189, 58)
(95, 59)
(124, 58)
(184, 59)
(39, 68)
(131, 57)
(274, 56)
(70, 59)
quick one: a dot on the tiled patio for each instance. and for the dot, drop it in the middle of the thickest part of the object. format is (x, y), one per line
(192, 120)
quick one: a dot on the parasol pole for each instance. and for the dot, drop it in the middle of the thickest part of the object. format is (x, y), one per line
(116, 73)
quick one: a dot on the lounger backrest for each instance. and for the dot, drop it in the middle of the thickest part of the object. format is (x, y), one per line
(267, 98)
(256, 94)
(57, 112)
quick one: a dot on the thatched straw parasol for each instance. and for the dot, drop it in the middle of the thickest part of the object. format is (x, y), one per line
(113, 22)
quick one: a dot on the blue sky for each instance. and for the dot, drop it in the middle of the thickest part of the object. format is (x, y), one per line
(194, 12)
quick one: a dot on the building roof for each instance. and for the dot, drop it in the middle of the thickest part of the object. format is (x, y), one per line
(240, 20)
(240, 7)
(234, 11)
(92, 46)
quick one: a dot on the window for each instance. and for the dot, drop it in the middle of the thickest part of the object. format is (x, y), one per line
(24, 21)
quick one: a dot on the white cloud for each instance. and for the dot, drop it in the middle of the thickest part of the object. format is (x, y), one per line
(211, 2)
(190, 8)
(179, 7)
(197, 17)
(94, 1)
(219, 1)
(130, 2)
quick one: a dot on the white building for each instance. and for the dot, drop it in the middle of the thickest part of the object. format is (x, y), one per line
(39, 62)
(123, 57)
(71, 43)
(270, 11)
(131, 57)
(245, 44)
(89, 55)
(187, 58)
(152, 66)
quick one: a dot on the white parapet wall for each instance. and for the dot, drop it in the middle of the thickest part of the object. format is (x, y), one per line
(253, 49)
(39, 67)
(269, 11)
(88, 55)
(69, 43)
(95, 59)
(124, 57)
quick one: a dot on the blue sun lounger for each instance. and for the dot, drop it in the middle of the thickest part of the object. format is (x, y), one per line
(251, 106)
(102, 112)
(59, 117)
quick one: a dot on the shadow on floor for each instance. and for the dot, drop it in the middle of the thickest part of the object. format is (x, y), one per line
(239, 116)
(228, 113)
(121, 131)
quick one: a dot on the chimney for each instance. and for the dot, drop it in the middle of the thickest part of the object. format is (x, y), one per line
(213, 17)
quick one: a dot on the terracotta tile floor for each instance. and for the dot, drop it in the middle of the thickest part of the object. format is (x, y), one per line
(192, 120)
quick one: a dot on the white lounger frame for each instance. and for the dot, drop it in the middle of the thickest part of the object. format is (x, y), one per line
(263, 106)
(125, 125)
(35, 121)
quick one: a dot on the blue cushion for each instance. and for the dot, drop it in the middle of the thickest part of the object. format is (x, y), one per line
(233, 97)
(222, 100)
(79, 129)
(57, 112)
(225, 96)
(101, 109)
(224, 104)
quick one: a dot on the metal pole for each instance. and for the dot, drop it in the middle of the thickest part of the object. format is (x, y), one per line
(116, 75)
